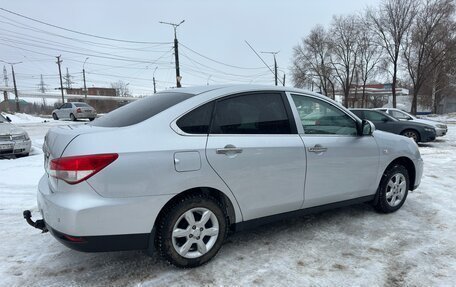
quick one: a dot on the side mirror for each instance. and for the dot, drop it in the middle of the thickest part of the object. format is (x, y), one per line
(367, 128)
(8, 119)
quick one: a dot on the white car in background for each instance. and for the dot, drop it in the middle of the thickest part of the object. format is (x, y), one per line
(440, 128)
(13, 140)
(74, 111)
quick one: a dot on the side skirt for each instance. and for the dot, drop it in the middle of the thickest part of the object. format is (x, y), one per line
(316, 209)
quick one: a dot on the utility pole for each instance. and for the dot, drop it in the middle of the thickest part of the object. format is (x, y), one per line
(15, 88)
(284, 79)
(176, 51)
(153, 78)
(275, 65)
(60, 76)
(5, 79)
(84, 78)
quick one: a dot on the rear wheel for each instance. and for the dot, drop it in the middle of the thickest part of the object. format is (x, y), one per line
(55, 117)
(72, 117)
(191, 231)
(91, 119)
(411, 134)
(393, 189)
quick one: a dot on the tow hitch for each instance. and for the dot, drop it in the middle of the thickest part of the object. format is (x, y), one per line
(37, 224)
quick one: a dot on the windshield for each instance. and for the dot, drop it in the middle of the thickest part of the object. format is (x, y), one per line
(140, 110)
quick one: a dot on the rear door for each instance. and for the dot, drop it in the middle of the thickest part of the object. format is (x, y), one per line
(340, 164)
(254, 147)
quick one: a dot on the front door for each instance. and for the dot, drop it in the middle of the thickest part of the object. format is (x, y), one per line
(340, 164)
(254, 147)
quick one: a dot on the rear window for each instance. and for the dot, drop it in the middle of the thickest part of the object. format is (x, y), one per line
(140, 110)
(81, 105)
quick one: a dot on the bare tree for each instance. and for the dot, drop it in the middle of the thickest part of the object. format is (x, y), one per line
(390, 23)
(427, 43)
(344, 47)
(370, 56)
(311, 62)
(122, 89)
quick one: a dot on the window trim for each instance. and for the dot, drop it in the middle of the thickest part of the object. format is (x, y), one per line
(288, 110)
(320, 98)
(291, 119)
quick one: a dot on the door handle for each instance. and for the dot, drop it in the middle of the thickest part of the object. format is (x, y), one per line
(317, 148)
(228, 149)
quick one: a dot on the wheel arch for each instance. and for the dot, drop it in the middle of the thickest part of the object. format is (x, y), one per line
(209, 191)
(409, 165)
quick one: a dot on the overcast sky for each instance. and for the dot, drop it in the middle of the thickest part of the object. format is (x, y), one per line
(213, 29)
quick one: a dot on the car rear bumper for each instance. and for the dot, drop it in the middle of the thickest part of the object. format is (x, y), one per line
(84, 213)
(85, 115)
(102, 243)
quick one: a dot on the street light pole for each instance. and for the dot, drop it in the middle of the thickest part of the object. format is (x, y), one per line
(84, 77)
(176, 51)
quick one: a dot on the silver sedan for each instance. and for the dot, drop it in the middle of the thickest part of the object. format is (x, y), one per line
(175, 172)
(74, 111)
(13, 140)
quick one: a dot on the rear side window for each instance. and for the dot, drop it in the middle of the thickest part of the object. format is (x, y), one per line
(140, 110)
(262, 113)
(198, 120)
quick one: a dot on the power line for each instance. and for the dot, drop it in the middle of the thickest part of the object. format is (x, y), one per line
(77, 32)
(262, 60)
(221, 63)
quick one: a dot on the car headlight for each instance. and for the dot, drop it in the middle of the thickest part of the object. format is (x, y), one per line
(20, 137)
(429, 129)
(441, 126)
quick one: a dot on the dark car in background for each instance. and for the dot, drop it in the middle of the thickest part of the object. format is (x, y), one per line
(382, 121)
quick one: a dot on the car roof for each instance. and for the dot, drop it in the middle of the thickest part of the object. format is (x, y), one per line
(240, 88)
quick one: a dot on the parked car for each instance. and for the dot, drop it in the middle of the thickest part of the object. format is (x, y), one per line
(417, 131)
(176, 171)
(74, 111)
(440, 128)
(13, 140)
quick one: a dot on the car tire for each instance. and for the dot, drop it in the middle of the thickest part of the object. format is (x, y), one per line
(185, 238)
(72, 117)
(393, 189)
(55, 117)
(91, 119)
(413, 134)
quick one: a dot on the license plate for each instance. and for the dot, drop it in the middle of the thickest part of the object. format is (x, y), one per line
(6, 146)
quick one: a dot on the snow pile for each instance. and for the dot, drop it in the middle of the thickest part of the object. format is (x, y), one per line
(447, 118)
(21, 118)
(354, 246)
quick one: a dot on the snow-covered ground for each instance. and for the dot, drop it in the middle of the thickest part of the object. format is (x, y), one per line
(415, 246)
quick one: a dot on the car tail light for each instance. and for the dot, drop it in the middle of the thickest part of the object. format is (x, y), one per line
(75, 169)
(78, 110)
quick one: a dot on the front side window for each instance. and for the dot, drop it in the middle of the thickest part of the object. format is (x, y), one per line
(319, 117)
(260, 113)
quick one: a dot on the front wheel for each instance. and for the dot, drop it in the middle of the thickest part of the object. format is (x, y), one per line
(191, 231)
(393, 189)
(55, 117)
(412, 134)
(91, 119)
